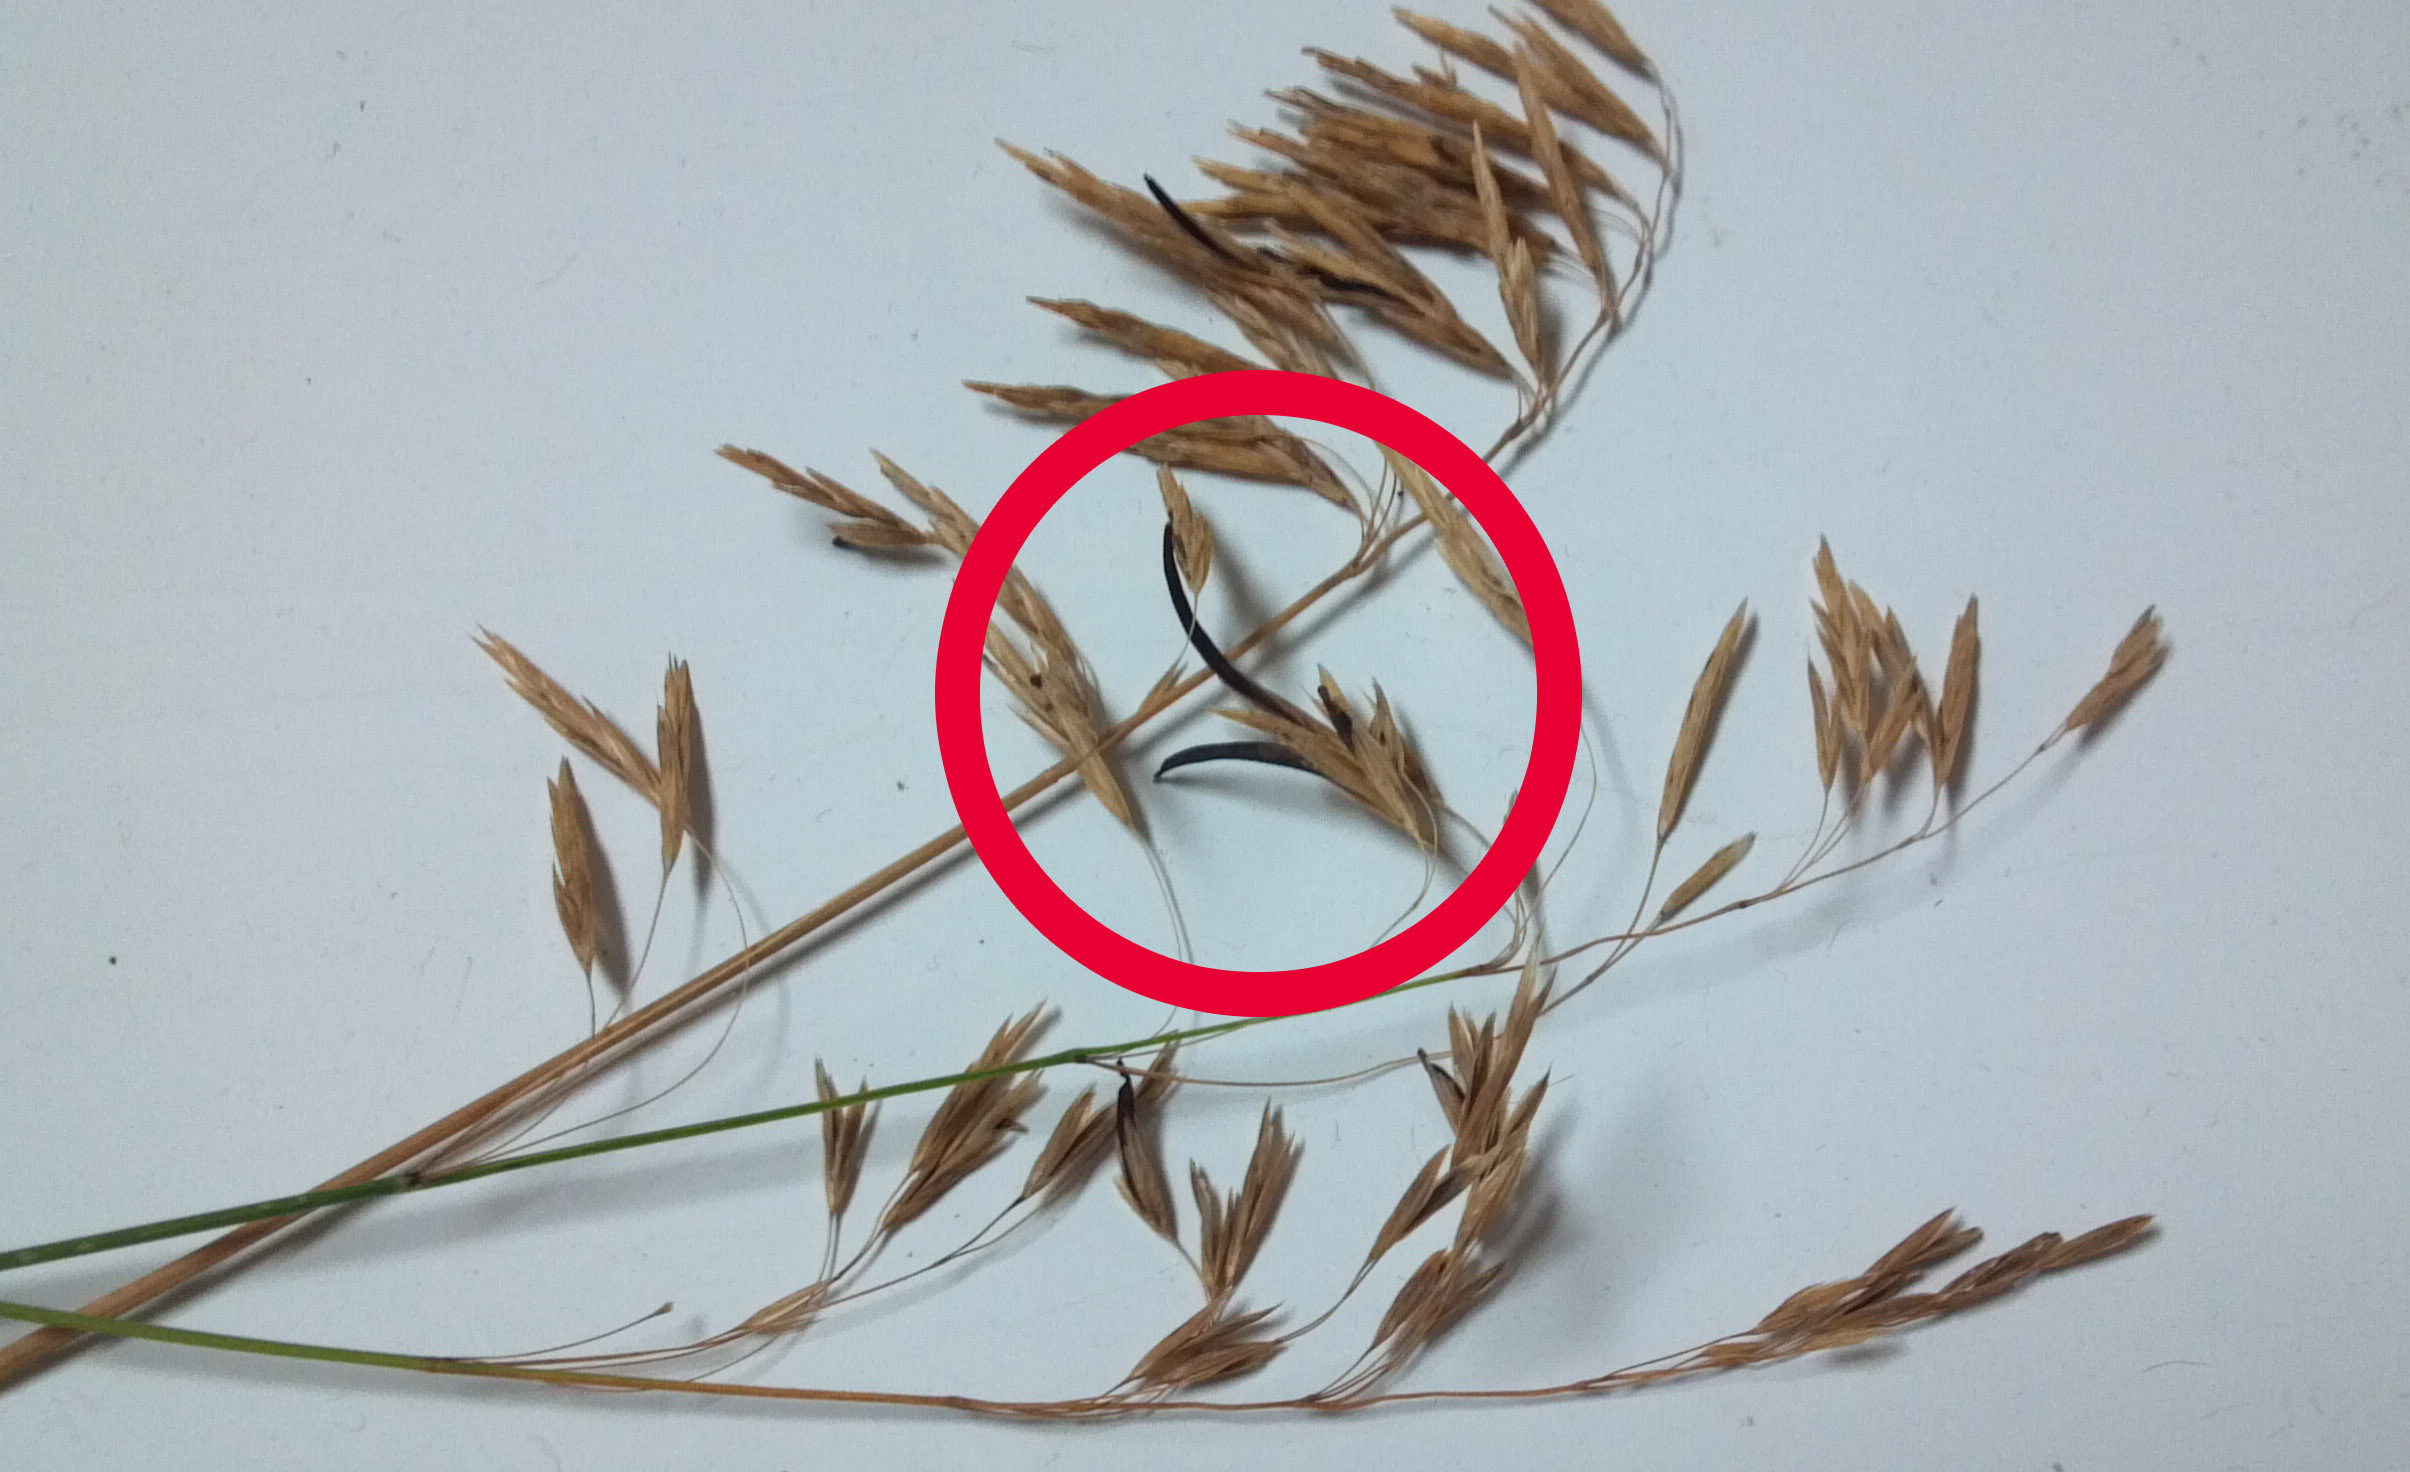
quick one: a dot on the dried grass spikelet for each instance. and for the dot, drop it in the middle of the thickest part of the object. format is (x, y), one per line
(844, 1140)
(1441, 97)
(1178, 354)
(868, 525)
(1518, 281)
(1077, 1139)
(1413, 182)
(1392, 289)
(1907, 708)
(1722, 862)
(1573, 89)
(1590, 20)
(1077, 1143)
(1848, 647)
(1140, 217)
(2137, 657)
(1249, 446)
(1957, 699)
(1213, 1344)
(1288, 337)
(1485, 1058)
(1855, 1310)
(1341, 140)
(974, 1123)
(1432, 1188)
(949, 526)
(1231, 1228)
(1566, 84)
(1056, 695)
(1047, 675)
(1496, 1176)
(1434, 1296)
(1370, 759)
(1565, 194)
(1461, 546)
(1699, 722)
(1444, 1087)
(1144, 1185)
(1192, 538)
(573, 861)
(791, 1314)
(1277, 309)
(1828, 729)
(1407, 206)
(674, 733)
(579, 722)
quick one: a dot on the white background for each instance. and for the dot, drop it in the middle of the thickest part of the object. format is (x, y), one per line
(328, 336)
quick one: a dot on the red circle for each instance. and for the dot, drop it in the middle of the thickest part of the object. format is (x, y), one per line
(1556, 728)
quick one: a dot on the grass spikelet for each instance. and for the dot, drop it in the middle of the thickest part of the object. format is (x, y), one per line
(1497, 233)
(2137, 657)
(1486, 1058)
(573, 860)
(1072, 1149)
(1720, 863)
(1178, 354)
(844, 1141)
(1906, 710)
(1370, 759)
(1937, 1240)
(1564, 190)
(972, 1126)
(1442, 98)
(1436, 1295)
(1828, 733)
(868, 525)
(1699, 722)
(1432, 1188)
(1445, 1088)
(1049, 678)
(1462, 547)
(1080, 1136)
(950, 526)
(1518, 279)
(1192, 538)
(791, 1314)
(1590, 20)
(581, 723)
(1213, 1344)
(1957, 699)
(1289, 332)
(1576, 91)
(1380, 279)
(1495, 1177)
(1471, 46)
(1143, 1183)
(1232, 1228)
(1247, 446)
(675, 739)
(2100, 1242)
(1849, 649)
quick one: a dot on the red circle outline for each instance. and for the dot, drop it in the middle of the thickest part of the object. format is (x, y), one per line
(962, 738)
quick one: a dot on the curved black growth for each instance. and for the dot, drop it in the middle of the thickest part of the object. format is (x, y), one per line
(1180, 217)
(1215, 660)
(1266, 753)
